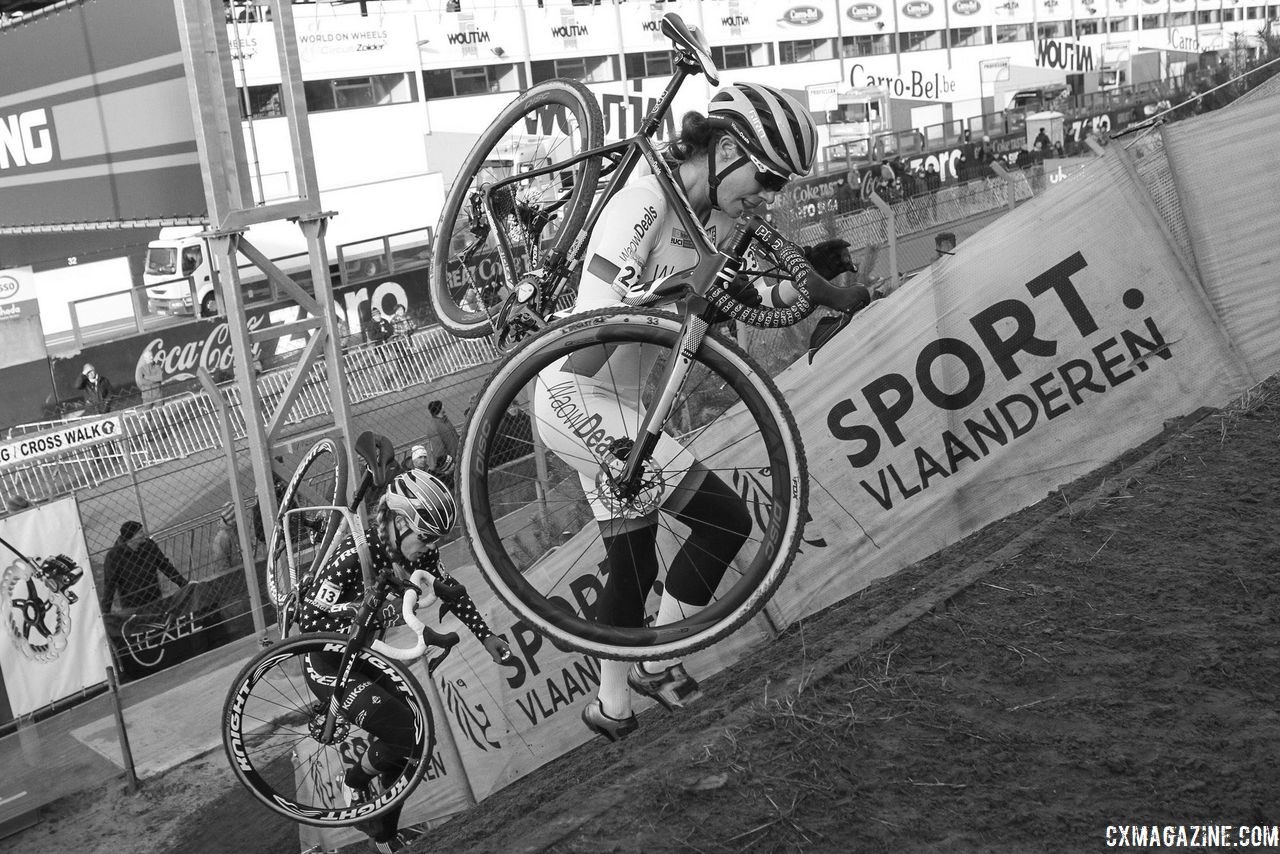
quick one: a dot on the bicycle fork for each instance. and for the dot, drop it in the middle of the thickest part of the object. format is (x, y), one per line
(672, 383)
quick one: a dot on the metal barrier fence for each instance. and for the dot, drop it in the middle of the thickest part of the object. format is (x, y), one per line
(186, 424)
(926, 211)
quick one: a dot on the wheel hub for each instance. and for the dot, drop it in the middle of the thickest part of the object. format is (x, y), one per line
(340, 727)
(622, 500)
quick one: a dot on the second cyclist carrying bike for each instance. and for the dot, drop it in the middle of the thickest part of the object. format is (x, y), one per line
(411, 516)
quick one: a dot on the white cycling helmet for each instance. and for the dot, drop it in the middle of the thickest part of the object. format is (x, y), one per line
(771, 125)
(423, 500)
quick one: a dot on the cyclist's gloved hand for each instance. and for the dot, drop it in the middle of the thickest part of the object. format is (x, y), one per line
(499, 650)
(744, 291)
(830, 258)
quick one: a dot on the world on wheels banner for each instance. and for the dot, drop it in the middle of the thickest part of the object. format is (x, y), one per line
(52, 640)
(1040, 351)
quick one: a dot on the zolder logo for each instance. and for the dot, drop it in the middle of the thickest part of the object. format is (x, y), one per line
(966, 7)
(864, 11)
(8, 286)
(918, 9)
(802, 16)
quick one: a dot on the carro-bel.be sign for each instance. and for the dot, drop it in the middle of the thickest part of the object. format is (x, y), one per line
(59, 441)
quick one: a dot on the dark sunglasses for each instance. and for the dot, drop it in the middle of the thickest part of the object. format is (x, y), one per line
(770, 182)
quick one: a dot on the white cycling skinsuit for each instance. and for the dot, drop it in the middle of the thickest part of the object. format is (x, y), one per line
(582, 408)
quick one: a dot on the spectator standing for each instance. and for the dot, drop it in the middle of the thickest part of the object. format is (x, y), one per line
(378, 333)
(986, 154)
(441, 442)
(968, 157)
(419, 458)
(150, 378)
(846, 196)
(1043, 145)
(932, 184)
(132, 567)
(226, 545)
(401, 323)
(97, 390)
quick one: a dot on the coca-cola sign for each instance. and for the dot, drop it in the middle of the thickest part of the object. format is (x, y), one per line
(180, 360)
(186, 347)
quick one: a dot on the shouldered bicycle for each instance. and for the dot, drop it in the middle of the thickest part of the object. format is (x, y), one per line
(288, 744)
(497, 269)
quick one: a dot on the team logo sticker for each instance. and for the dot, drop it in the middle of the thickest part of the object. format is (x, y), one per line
(37, 606)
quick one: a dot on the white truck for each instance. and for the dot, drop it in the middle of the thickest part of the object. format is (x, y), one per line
(369, 219)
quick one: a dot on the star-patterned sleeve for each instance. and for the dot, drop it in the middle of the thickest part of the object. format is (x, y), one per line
(459, 603)
(337, 583)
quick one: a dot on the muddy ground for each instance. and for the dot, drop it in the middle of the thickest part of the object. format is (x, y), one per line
(1108, 657)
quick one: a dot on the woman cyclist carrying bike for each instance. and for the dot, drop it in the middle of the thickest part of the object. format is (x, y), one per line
(414, 512)
(730, 163)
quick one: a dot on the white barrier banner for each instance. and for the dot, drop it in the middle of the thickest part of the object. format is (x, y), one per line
(1233, 233)
(60, 441)
(1040, 351)
(509, 720)
(52, 641)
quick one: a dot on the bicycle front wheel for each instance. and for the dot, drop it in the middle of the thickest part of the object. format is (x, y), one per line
(548, 124)
(542, 502)
(271, 731)
(319, 480)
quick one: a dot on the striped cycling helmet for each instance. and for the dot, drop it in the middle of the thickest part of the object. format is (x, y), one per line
(424, 501)
(773, 126)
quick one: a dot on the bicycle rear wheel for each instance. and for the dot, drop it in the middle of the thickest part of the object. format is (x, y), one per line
(319, 480)
(534, 517)
(548, 124)
(270, 726)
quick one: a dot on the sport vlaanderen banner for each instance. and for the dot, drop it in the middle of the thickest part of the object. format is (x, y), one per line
(52, 640)
(1042, 350)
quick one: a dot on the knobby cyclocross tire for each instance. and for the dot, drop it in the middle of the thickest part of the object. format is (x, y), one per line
(268, 720)
(569, 95)
(518, 497)
(319, 479)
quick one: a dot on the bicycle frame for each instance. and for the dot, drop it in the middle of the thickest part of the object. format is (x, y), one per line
(629, 152)
(712, 265)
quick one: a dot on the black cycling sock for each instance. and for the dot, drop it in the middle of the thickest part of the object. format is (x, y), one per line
(385, 758)
(719, 524)
(633, 566)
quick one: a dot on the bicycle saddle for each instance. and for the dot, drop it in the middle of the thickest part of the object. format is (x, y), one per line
(691, 40)
(379, 455)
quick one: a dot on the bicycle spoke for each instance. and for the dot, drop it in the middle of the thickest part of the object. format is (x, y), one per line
(610, 383)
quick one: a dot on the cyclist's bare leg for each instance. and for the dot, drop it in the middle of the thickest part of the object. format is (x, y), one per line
(718, 524)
